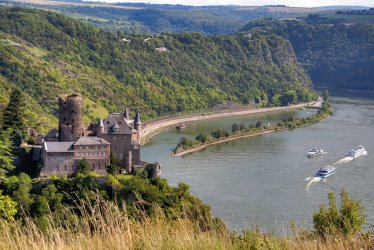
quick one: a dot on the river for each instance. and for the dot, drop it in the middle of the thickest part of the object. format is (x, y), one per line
(261, 180)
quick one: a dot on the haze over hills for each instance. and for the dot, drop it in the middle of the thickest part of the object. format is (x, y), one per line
(46, 54)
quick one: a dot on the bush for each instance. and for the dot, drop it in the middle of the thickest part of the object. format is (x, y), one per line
(348, 220)
(202, 137)
(84, 167)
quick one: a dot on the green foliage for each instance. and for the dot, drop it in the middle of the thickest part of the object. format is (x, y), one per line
(22, 194)
(235, 127)
(335, 55)
(8, 207)
(259, 124)
(202, 137)
(115, 165)
(6, 153)
(196, 73)
(83, 167)
(14, 113)
(348, 220)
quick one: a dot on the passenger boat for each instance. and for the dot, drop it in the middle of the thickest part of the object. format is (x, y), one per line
(360, 150)
(325, 172)
(315, 152)
(180, 126)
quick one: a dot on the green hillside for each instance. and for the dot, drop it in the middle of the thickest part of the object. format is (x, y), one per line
(46, 54)
(335, 55)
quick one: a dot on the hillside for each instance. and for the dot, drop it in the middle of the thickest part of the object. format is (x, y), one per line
(46, 54)
(338, 55)
(157, 18)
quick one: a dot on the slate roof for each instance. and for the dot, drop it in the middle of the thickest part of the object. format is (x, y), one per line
(124, 125)
(66, 146)
(90, 140)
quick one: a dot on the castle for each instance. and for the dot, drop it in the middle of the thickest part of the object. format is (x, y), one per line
(64, 147)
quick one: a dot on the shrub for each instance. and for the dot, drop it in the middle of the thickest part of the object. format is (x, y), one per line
(84, 167)
(348, 220)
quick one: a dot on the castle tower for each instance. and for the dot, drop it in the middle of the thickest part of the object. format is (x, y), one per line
(70, 125)
(126, 114)
(137, 125)
(99, 127)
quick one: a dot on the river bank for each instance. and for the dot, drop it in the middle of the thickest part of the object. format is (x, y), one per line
(186, 146)
(154, 127)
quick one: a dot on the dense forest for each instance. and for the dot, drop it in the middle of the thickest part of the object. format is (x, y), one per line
(336, 55)
(46, 54)
(156, 18)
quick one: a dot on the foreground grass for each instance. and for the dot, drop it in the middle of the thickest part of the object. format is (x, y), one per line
(105, 226)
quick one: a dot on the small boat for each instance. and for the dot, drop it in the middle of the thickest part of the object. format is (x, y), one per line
(325, 172)
(180, 126)
(315, 152)
(360, 150)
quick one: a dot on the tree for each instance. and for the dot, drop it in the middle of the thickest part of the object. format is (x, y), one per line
(235, 127)
(115, 165)
(8, 207)
(22, 193)
(325, 95)
(13, 116)
(259, 124)
(6, 155)
(202, 137)
(84, 167)
(347, 220)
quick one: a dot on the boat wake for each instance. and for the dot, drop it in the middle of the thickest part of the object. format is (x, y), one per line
(345, 160)
(312, 180)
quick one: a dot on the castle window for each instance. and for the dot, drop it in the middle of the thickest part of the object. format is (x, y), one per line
(95, 147)
(104, 153)
(114, 146)
(125, 147)
(87, 147)
(78, 154)
(102, 146)
(114, 138)
(87, 154)
(80, 147)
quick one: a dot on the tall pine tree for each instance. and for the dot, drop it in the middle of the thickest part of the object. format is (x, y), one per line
(13, 116)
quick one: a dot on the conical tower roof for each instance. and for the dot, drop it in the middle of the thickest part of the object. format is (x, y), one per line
(137, 118)
(100, 123)
(126, 114)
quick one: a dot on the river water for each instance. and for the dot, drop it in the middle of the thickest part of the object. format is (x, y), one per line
(262, 180)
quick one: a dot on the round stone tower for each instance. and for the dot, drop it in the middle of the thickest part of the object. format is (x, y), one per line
(70, 117)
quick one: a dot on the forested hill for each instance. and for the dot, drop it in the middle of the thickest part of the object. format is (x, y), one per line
(46, 54)
(335, 55)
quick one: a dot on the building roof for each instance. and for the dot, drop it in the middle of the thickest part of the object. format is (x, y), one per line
(53, 133)
(90, 140)
(64, 146)
(137, 118)
(118, 121)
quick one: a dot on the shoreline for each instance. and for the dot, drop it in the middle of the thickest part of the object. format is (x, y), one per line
(192, 150)
(152, 128)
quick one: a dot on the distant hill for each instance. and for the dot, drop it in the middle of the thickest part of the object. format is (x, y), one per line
(339, 55)
(46, 54)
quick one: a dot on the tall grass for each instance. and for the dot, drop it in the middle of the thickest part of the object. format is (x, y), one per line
(106, 226)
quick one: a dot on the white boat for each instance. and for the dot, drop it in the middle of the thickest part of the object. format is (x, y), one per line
(325, 172)
(360, 150)
(315, 152)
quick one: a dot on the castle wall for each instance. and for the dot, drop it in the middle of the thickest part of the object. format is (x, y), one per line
(58, 164)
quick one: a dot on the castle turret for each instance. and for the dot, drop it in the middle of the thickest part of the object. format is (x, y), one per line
(70, 117)
(137, 122)
(126, 114)
(99, 127)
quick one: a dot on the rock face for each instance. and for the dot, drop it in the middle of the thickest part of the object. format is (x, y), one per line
(70, 117)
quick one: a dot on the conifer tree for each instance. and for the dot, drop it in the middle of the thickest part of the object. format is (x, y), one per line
(6, 155)
(13, 116)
